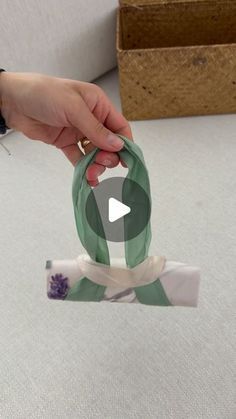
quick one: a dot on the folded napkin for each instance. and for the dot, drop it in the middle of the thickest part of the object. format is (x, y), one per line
(138, 278)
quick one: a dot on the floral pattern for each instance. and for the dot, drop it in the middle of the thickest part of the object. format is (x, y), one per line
(58, 287)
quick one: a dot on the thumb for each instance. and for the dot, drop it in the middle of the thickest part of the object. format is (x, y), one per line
(83, 119)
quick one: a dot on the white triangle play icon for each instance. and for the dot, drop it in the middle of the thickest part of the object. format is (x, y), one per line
(116, 209)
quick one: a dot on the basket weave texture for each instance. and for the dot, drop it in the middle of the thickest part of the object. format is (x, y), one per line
(177, 57)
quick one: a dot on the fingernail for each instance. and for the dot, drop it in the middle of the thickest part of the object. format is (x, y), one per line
(93, 183)
(106, 162)
(115, 141)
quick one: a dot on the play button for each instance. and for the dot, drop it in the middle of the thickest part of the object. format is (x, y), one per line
(118, 209)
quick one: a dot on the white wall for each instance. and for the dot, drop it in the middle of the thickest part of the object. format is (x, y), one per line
(68, 38)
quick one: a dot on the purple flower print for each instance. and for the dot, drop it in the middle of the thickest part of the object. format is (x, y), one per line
(58, 287)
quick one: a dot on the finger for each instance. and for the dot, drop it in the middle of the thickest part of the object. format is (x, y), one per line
(66, 141)
(104, 158)
(93, 182)
(94, 171)
(107, 159)
(117, 123)
(112, 119)
(89, 147)
(73, 153)
(82, 118)
(35, 130)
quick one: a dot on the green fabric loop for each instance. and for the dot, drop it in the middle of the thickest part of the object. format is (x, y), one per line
(86, 290)
(136, 249)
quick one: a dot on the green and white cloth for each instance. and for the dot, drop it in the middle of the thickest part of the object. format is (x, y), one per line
(138, 277)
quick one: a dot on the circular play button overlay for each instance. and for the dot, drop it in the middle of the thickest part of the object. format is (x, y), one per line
(118, 209)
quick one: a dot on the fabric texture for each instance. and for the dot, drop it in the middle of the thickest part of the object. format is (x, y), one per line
(149, 291)
(66, 38)
(178, 286)
(121, 361)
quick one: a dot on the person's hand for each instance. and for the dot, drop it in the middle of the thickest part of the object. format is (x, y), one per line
(61, 112)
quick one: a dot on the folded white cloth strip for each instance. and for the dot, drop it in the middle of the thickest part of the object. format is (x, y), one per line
(179, 281)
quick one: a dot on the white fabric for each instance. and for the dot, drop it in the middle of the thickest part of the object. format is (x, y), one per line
(117, 275)
(180, 281)
(120, 295)
(68, 38)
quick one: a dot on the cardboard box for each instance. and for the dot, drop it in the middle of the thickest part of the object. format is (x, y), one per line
(176, 57)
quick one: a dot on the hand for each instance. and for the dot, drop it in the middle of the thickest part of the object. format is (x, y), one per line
(60, 112)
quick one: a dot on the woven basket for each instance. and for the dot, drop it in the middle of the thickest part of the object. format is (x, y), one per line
(176, 57)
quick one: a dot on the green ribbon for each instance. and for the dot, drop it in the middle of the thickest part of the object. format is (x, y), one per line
(136, 249)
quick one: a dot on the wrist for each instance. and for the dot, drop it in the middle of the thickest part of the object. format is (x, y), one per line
(1, 71)
(2, 77)
(3, 126)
